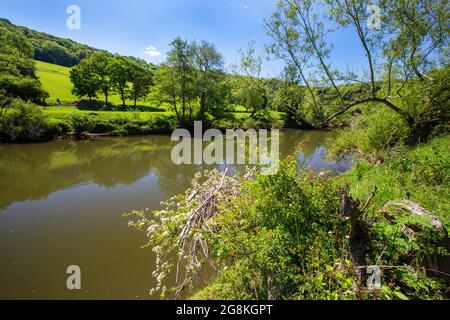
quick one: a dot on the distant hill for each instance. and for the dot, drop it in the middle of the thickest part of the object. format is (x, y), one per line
(51, 49)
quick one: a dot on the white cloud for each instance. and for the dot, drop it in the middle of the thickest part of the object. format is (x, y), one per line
(152, 52)
(245, 7)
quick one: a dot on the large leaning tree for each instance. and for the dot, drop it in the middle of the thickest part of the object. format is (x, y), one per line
(401, 50)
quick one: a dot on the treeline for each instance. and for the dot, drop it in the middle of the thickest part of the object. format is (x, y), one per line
(103, 73)
(192, 81)
(48, 48)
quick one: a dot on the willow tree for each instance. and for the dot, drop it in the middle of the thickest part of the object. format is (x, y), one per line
(249, 79)
(409, 39)
(180, 59)
(209, 78)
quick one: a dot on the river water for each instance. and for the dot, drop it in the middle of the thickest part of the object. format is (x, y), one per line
(61, 204)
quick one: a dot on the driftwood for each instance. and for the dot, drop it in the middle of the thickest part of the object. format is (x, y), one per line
(92, 136)
(216, 190)
(436, 265)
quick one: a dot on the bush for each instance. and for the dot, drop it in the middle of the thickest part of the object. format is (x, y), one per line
(376, 134)
(80, 123)
(25, 88)
(162, 125)
(24, 122)
(281, 236)
(60, 127)
(262, 119)
(104, 126)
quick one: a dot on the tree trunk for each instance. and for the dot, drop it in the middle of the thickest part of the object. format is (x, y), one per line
(183, 105)
(122, 95)
(202, 106)
(350, 208)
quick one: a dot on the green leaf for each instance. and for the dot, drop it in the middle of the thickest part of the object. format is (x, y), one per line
(400, 295)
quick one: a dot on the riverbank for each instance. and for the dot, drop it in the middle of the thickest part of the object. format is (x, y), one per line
(24, 122)
(303, 235)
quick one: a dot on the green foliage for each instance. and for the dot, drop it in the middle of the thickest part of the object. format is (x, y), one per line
(396, 64)
(14, 44)
(48, 48)
(74, 123)
(269, 239)
(81, 122)
(420, 174)
(141, 80)
(288, 98)
(120, 73)
(17, 66)
(84, 81)
(25, 88)
(252, 90)
(23, 122)
(17, 76)
(280, 236)
(52, 52)
(375, 135)
(262, 119)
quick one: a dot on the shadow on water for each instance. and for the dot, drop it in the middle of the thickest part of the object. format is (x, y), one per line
(61, 203)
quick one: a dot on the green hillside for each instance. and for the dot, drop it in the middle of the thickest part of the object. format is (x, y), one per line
(55, 80)
(49, 48)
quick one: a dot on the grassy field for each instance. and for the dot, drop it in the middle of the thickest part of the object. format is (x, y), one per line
(66, 111)
(55, 80)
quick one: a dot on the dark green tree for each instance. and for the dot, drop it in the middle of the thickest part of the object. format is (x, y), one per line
(141, 80)
(121, 75)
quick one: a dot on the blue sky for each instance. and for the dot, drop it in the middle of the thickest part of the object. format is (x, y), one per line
(128, 27)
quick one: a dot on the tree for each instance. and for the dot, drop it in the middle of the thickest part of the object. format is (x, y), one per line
(167, 88)
(180, 59)
(85, 81)
(120, 73)
(54, 53)
(209, 86)
(248, 75)
(141, 80)
(18, 77)
(100, 64)
(288, 98)
(15, 44)
(5, 101)
(416, 31)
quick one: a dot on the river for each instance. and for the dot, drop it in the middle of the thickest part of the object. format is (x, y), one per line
(61, 204)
